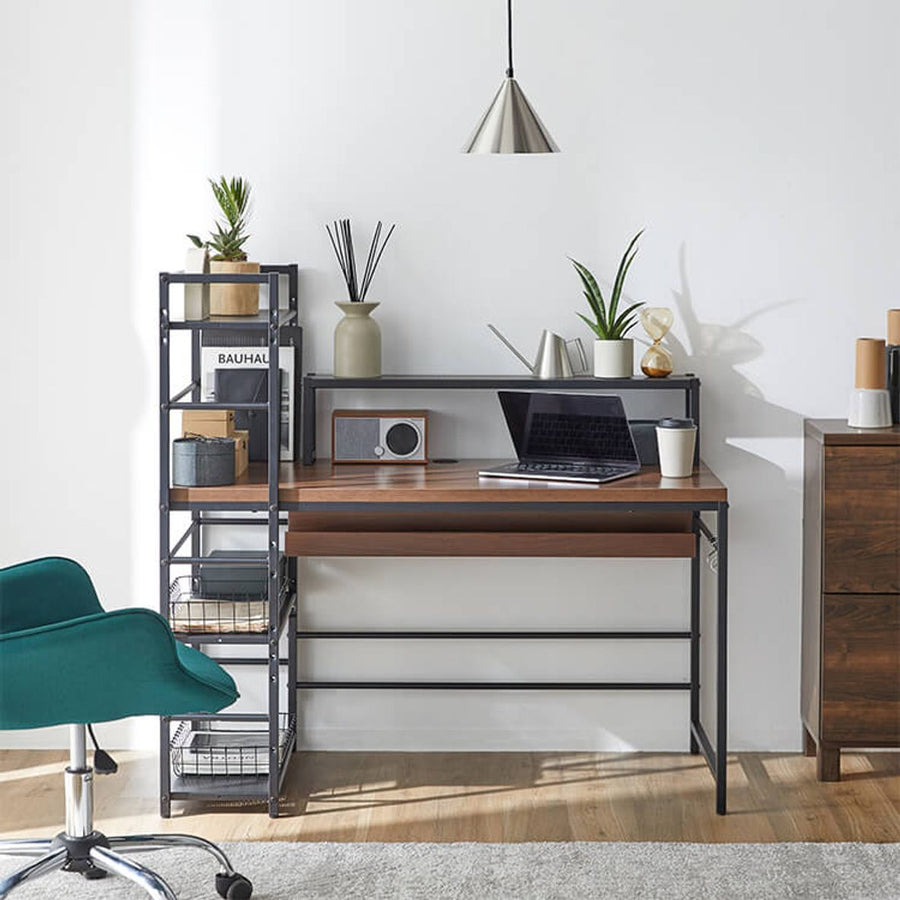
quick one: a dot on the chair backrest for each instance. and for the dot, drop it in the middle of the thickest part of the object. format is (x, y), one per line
(42, 591)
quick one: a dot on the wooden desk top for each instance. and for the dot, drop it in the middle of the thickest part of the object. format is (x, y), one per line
(458, 482)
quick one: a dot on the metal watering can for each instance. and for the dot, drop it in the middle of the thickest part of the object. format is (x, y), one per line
(552, 359)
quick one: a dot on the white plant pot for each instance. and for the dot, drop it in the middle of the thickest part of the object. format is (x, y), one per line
(196, 296)
(614, 359)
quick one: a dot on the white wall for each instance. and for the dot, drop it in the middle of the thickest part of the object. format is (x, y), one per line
(755, 141)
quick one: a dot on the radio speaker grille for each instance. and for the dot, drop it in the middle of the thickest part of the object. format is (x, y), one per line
(356, 438)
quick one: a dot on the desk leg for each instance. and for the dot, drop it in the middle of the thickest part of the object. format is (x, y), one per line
(695, 634)
(722, 658)
(293, 569)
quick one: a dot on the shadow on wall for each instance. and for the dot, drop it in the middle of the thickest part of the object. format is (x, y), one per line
(754, 446)
(734, 409)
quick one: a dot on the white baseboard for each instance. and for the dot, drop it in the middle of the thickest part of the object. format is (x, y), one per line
(485, 740)
(125, 734)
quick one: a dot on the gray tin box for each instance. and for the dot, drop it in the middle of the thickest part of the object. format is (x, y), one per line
(202, 461)
(237, 581)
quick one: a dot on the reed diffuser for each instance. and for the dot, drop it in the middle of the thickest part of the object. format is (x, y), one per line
(357, 337)
(342, 242)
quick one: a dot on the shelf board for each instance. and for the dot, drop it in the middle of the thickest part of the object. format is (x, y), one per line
(232, 787)
(240, 637)
(235, 323)
(219, 787)
(468, 382)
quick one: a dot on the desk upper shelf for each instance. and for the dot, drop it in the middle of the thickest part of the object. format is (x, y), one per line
(474, 382)
(458, 482)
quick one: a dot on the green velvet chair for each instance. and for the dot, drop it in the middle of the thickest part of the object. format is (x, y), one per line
(64, 660)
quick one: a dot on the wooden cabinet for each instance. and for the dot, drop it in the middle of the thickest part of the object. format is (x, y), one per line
(850, 673)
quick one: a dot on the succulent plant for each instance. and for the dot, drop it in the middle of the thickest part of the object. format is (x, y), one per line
(228, 239)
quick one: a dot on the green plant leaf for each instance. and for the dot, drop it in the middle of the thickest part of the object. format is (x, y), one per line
(592, 325)
(623, 328)
(592, 293)
(587, 278)
(592, 303)
(196, 241)
(619, 286)
(619, 283)
(618, 322)
(233, 198)
(221, 195)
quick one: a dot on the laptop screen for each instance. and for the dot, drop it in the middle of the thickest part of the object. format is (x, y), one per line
(568, 427)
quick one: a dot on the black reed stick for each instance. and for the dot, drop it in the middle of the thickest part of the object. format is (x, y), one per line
(378, 259)
(342, 244)
(337, 252)
(370, 257)
(351, 257)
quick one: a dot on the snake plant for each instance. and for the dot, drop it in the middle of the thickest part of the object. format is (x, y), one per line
(608, 323)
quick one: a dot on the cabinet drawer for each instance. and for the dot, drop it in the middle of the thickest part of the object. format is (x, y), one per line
(861, 668)
(861, 535)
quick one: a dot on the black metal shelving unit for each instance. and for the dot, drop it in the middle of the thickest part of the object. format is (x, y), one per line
(688, 384)
(278, 327)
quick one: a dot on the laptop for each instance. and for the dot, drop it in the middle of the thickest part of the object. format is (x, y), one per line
(567, 437)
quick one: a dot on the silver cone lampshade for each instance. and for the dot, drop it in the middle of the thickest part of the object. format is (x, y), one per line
(510, 125)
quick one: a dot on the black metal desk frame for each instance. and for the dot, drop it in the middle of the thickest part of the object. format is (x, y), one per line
(715, 753)
(689, 384)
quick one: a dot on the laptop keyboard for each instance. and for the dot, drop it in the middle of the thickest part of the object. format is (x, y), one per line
(569, 469)
(597, 437)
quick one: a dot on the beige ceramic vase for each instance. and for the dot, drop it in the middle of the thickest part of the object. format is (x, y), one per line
(357, 342)
(233, 299)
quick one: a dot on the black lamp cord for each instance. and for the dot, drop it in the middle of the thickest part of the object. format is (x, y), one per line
(104, 764)
(509, 70)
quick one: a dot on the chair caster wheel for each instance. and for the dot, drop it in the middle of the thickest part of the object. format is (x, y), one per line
(233, 887)
(94, 874)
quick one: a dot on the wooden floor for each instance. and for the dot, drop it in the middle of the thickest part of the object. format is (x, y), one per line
(491, 797)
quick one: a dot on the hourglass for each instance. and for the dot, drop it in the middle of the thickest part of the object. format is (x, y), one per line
(657, 361)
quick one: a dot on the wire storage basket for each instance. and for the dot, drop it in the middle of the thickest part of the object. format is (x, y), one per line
(226, 748)
(194, 609)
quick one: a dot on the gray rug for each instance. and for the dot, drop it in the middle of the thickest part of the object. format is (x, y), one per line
(516, 871)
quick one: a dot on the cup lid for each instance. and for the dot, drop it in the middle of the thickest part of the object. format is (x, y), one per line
(675, 423)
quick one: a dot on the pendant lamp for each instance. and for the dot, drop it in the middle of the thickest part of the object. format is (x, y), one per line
(510, 124)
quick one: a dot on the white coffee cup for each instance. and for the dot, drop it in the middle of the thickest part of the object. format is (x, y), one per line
(676, 439)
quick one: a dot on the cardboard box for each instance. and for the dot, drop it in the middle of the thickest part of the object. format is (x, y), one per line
(241, 452)
(208, 422)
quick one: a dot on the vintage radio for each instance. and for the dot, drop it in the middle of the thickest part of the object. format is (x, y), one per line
(379, 436)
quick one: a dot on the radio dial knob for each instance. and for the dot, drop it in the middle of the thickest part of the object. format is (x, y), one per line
(379, 450)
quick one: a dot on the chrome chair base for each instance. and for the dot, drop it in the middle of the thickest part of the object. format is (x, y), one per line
(82, 849)
(94, 857)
